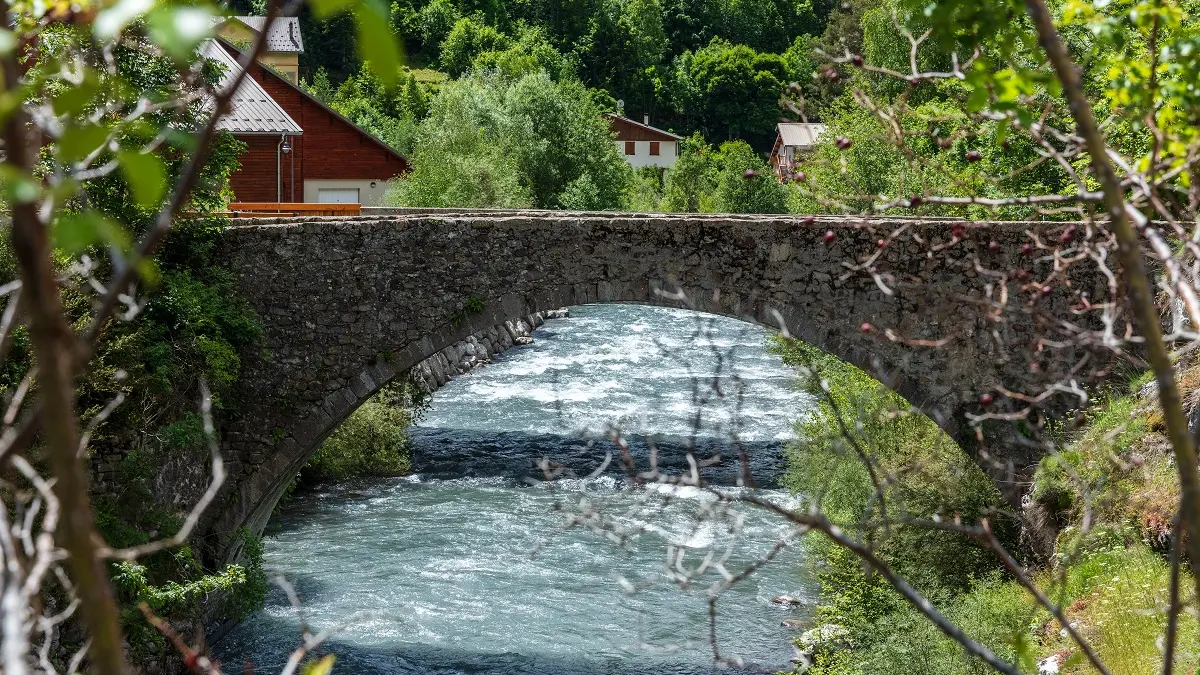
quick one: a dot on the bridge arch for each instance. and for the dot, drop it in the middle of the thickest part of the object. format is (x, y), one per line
(349, 304)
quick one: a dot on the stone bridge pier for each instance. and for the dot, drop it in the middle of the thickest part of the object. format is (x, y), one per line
(350, 303)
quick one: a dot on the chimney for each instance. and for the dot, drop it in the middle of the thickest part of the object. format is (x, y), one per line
(646, 120)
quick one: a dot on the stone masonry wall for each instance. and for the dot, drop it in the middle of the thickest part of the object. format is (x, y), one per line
(478, 349)
(350, 303)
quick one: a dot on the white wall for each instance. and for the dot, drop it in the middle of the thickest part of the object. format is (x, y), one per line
(668, 152)
(370, 196)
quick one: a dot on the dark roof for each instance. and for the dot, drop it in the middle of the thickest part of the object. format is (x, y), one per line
(251, 110)
(316, 101)
(284, 35)
(644, 127)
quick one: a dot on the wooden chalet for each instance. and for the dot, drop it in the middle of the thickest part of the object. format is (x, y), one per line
(644, 145)
(792, 141)
(298, 149)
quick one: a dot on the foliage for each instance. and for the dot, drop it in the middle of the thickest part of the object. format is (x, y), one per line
(1110, 487)
(467, 40)
(460, 156)
(1112, 595)
(530, 52)
(373, 441)
(491, 141)
(938, 478)
(690, 183)
(730, 91)
(746, 184)
(632, 50)
(732, 179)
(391, 114)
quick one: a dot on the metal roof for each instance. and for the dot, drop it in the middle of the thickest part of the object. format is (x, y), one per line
(252, 110)
(284, 35)
(800, 134)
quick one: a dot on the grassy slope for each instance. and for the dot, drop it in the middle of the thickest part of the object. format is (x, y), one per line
(1115, 473)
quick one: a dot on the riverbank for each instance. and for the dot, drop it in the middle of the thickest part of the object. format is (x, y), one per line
(1111, 494)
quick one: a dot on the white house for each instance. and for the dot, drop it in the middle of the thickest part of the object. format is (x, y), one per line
(644, 145)
(792, 139)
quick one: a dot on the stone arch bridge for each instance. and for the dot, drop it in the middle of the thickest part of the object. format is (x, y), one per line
(350, 303)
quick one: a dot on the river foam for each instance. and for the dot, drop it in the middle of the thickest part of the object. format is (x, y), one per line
(468, 566)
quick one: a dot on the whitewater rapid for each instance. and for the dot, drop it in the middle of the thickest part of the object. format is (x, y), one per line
(467, 565)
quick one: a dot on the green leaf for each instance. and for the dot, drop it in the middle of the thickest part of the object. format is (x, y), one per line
(18, 187)
(76, 232)
(110, 22)
(146, 174)
(321, 667)
(377, 44)
(74, 99)
(8, 42)
(80, 141)
(180, 29)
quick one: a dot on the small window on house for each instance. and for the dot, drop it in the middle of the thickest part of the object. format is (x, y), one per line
(630, 148)
(654, 148)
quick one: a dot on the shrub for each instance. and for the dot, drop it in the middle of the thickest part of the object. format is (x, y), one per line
(373, 441)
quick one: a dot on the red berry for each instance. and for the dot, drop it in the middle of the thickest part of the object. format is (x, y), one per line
(986, 399)
(843, 143)
(866, 328)
(916, 200)
(809, 220)
(830, 237)
(1067, 235)
(1022, 274)
(857, 59)
(974, 156)
(801, 176)
(994, 246)
(1046, 290)
(1027, 249)
(958, 231)
(749, 173)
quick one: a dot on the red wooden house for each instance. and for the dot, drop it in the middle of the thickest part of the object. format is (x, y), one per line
(299, 150)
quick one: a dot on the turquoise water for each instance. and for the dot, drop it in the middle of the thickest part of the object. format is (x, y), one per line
(467, 566)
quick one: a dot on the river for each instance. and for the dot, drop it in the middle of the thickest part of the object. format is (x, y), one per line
(466, 566)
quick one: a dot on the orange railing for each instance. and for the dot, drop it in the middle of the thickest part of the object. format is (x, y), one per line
(266, 209)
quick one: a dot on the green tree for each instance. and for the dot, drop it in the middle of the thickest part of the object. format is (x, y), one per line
(460, 157)
(689, 184)
(730, 91)
(746, 184)
(466, 41)
(329, 43)
(493, 141)
(625, 50)
(531, 52)
(561, 139)
(434, 22)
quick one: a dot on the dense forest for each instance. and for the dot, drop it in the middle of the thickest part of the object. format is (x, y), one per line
(499, 104)
(713, 66)
(711, 70)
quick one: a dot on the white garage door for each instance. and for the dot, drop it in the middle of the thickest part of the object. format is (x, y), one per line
(338, 196)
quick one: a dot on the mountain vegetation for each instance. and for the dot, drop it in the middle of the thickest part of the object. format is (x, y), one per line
(500, 104)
